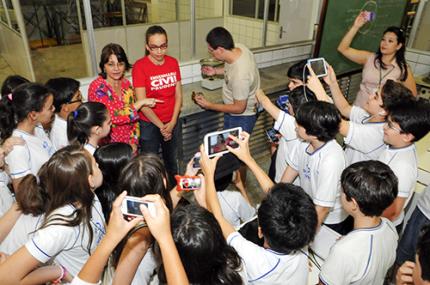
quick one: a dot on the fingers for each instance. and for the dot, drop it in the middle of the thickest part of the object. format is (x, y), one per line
(311, 71)
(118, 201)
(159, 101)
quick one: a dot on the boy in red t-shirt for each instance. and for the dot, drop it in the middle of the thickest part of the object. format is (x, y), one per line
(157, 75)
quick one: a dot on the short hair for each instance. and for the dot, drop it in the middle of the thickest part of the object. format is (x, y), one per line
(11, 82)
(296, 97)
(423, 251)
(220, 37)
(109, 50)
(413, 117)
(287, 218)
(394, 93)
(372, 184)
(296, 70)
(63, 89)
(320, 119)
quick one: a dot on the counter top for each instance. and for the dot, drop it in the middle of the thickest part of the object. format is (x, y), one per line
(273, 79)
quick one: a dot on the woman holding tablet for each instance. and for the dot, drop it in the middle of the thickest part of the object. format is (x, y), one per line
(387, 63)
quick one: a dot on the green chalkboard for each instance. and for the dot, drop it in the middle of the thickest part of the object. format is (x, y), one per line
(337, 17)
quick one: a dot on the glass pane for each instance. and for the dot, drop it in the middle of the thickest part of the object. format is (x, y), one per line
(12, 15)
(244, 8)
(209, 9)
(105, 13)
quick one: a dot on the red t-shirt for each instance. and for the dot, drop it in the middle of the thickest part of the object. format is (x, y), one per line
(159, 82)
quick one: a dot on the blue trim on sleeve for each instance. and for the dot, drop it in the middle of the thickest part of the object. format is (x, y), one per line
(267, 273)
(47, 255)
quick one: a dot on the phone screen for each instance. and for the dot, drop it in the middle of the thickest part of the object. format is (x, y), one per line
(318, 66)
(217, 143)
(271, 134)
(133, 207)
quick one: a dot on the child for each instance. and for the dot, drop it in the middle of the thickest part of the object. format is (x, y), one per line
(364, 131)
(417, 273)
(319, 161)
(73, 223)
(287, 221)
(10, 83)
(67, 98)
(285, 124)
(88, 124)
(407, 122)
(369, 187)
(23, 114)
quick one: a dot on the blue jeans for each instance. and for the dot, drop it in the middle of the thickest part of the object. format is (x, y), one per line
(150, 141)
(408, 242)
(246, 122)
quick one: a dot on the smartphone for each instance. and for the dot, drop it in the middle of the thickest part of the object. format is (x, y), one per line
(282, 101)
(188, 183)
(318, 66)
(131, 206)
(215, 143)
(370, 15)
(272, 135)
(196, 160)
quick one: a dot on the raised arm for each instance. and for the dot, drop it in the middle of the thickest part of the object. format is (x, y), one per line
(355, 55)
(267, 104)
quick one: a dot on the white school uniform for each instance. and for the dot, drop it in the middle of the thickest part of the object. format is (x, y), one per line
(285, 124)
(90, 148)
(265, 266)
(424, 203)
(6, 197)
(28, 158)
(234, 207)
(68, 245)
(21, 232)
(361, 257)
(146, 269)
(58, 134)
(365, 140)
(320, 173)
(403, 162)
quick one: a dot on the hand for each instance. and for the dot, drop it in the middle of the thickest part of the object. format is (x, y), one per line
(150, 102)
(208, 70)
(200, 194)
(10, 143)
(118, 227)
(330, 79)
(167, 130)
(207, 165)
(404, 274)
(160, 224)
(313, 83)
(360, 20)
(202, 102)
(242, 152)
(191, 171)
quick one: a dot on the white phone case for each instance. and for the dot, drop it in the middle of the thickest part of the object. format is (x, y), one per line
(208, 135)
(137, 213)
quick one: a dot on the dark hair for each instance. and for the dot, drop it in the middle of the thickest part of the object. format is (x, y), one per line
(26, 98)
(287, 218)
(413, 117)
(63, 89)
(220, 37)
(296, 97)
(111, 159)
(423, 251)
(11, 82)
(394, 93)
(30, 196)
(295, 71)
(320, 119)
(153, 30)
(205, 254)
(372, 184)
(64, 177)
(107, 51)
(400, 54)
(80, 121)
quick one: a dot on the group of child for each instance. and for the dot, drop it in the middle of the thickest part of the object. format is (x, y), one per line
(61, 219)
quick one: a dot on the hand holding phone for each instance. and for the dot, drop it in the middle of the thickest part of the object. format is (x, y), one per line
(131, 206)
(216, 143)
(319, 66)
(272, 135)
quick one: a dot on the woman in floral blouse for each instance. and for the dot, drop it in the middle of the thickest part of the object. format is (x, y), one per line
(115, 91)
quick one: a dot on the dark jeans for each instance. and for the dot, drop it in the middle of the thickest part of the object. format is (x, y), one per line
(150, 141)
(246, 122)
(408, 242)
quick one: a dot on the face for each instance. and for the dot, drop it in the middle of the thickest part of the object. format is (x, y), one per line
(389, 44)
(47, 114)
(215, 53)
(294, 83)
(301, 132)
(75, 102)
(290, 109)
(157, 47)
(374, 103)
(105, 129)
(96, 176)
(346, 205)
(114, 69)
(392, 133)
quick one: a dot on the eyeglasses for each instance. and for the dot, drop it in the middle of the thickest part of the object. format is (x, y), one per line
(391, 126)
(79, 99)
(161, 47)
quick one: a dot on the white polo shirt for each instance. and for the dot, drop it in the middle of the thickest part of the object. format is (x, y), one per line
(365, 140)
(234, 207)
(265, 266)
(58, 134)
(6, 197)
(424, 202)
(361, 257)
(28, 158)
(403, 162)
(320, 173)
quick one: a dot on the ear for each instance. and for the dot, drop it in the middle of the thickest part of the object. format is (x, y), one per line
(399, 46)
(407, 137)
(260, 233)
(91, 181)
(355, 206)
(64, 108)
(33, 115)
(147, 48)
(96, 130)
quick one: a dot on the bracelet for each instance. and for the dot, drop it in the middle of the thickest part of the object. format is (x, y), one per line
(62, 275)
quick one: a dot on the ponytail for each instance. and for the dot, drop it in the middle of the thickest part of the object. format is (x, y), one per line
(81, 121)
(31, 197)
